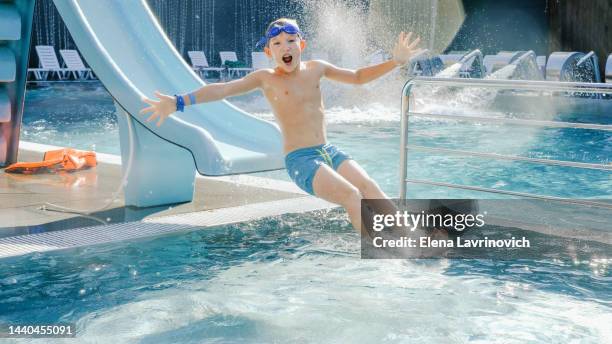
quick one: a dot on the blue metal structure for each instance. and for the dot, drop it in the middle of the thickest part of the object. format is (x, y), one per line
(15, 31)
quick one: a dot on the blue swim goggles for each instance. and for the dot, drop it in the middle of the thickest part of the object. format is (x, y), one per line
(275, 31)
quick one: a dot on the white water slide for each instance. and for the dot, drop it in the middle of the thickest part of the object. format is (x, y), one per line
(129, 52)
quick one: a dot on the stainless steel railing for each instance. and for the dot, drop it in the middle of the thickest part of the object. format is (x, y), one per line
(497, 84)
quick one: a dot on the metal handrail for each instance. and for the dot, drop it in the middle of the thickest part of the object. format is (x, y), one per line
(511, 84)
(496, 156)
(514, 193)
(498, 84)
(515, 121)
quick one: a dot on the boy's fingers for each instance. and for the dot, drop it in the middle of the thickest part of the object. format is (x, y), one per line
(403, 42)
(152, 117)
(145, 110)
(415, 43)
(161, 120)
(159, 95)
(408, 36)
(147, 100)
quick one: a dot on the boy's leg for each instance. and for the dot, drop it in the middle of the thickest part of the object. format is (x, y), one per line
(356, 175)
(332, 187)
(368, 188)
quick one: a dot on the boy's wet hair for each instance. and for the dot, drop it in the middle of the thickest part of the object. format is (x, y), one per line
(281, 22)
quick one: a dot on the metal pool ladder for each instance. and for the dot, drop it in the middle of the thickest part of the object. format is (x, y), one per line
(497, 84)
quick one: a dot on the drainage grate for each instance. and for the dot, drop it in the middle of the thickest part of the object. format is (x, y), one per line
(77, 237)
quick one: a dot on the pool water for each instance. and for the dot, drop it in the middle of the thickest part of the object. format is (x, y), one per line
(82, 116)
(79, 115)
(298, 278)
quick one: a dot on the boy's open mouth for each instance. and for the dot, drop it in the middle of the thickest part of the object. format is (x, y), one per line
(287, 58)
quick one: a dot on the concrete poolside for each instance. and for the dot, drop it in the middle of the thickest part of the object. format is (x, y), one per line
(216, 201)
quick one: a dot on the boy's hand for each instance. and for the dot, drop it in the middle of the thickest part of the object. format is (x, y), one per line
(404, 49)
(162, 108)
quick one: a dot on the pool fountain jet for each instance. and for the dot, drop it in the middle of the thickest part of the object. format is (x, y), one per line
(573, 67)
(494, 63)
(462, 65)
(522, 67)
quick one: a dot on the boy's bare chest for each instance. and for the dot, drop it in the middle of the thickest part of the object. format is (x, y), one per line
(294, 90)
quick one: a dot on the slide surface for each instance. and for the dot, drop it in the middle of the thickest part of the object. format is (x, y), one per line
(131, 55)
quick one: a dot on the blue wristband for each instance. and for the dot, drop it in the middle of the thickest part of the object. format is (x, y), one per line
(180, 103)
(192, 98)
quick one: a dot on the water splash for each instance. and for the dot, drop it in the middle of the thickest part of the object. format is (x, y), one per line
(451, 71)
(328, 23)
(525, 67)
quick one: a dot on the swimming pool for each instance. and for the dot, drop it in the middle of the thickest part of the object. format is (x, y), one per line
(367, 128)
(299, 277)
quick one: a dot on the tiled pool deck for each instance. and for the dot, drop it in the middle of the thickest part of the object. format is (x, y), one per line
(27, 224)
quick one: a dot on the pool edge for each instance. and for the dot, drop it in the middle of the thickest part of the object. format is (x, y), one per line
(94, 235)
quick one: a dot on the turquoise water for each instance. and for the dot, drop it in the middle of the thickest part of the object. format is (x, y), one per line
(82, 116)
(299, 279)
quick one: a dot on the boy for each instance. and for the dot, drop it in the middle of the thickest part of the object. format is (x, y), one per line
(292, 88)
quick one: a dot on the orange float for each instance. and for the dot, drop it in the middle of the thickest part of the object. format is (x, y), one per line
(66, 160)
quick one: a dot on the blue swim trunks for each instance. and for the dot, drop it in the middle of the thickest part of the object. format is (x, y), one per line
(303, 163)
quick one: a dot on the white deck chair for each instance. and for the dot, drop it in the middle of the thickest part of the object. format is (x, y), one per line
(73, 61)
(47, 64)
(260, 60)
(231, 56)
(199, 63)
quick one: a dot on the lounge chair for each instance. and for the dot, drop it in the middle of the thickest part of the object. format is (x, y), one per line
(231, 56)
(199, 63)
(259, 60)
(75, 65)
(47, 64)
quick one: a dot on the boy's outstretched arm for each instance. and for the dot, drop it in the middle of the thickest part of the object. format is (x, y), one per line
(166, 105)
(403, 50)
